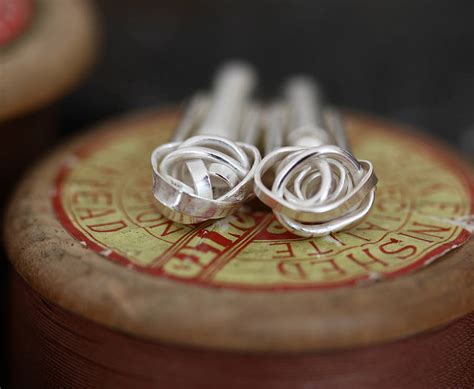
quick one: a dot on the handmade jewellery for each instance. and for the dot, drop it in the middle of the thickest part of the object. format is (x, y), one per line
(314, 185)
(210, 174)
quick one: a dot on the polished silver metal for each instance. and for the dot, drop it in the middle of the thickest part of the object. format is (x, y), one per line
(205, 172)
(313, 184)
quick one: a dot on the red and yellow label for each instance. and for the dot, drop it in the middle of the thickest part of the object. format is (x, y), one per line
(422, 210)
(15, 16)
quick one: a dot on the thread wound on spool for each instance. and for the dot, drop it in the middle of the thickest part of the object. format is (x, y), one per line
(67, 350)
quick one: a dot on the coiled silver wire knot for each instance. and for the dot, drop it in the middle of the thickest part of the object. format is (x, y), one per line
(316, 190)
(204, 177)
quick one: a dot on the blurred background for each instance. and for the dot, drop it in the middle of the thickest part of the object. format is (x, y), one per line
(408, 60)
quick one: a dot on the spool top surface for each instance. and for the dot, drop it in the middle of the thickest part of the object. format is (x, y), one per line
(84, 232)
(45, 48)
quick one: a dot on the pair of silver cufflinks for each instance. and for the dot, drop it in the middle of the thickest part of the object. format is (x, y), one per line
(308, 177)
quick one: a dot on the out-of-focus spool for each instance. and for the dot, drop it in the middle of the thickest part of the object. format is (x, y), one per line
(46, 54)
(46, 48)
(109, 293)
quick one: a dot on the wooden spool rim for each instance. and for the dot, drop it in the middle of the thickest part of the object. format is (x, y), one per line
(77, 279)
(49, 57)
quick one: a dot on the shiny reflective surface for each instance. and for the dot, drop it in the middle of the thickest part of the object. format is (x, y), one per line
(205, 177)
(313, 186)
(317, 190)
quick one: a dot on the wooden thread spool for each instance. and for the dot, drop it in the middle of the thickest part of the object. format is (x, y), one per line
(46, 48)
(109, 293)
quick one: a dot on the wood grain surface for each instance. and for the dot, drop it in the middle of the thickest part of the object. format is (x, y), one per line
(77, 279)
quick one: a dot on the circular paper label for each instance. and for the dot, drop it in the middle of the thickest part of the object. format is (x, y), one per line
(15, 15)
(422, 210)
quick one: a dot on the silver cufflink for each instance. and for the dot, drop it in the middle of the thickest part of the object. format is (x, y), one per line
(207, 171)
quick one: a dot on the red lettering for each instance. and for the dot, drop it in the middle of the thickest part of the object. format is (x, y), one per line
(108, 227)
(438, 205)
(150, 215)
(168, 224)
(434, 188)
(367, 264)
(333, 266)
(189, 257)
(289, 250)
(291, 270)
(426, 232)
(215, 237)
(317, 250)
(410, 248)
(92, 213)
(205, 248)
(336, 238)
